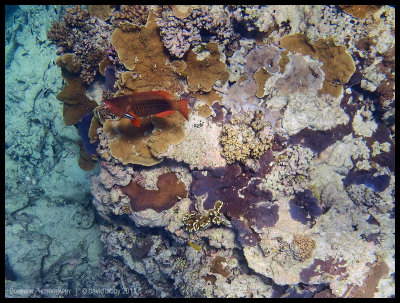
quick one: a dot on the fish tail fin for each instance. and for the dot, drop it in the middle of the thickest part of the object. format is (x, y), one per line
(182, 107)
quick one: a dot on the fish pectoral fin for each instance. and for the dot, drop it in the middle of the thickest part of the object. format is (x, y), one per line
(134, 119)
(165, 114)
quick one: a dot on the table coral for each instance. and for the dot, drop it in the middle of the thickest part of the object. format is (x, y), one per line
(104, 12)
(73, 96)
(169, 189)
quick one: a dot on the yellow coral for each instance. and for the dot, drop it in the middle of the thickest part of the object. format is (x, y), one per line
(241, 141)
(194, 221)
(303, 246)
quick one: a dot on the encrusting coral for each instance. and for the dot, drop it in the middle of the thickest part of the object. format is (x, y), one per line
(169, 189)
(338, 65)
(141, 50)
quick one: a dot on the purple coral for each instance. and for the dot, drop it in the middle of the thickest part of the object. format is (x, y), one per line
(378, 183)
(83, 129)
(328, 266)
(304, 207)
(238, 189)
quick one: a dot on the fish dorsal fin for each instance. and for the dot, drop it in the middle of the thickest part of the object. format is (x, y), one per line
(164, 94)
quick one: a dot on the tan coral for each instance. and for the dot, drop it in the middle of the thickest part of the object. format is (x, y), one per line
(338, 65)
(73, 95)
(302, 247)
(202, 74)
(360, 11)
(104, 12)
(141, 50)
(128, 143)
(204, 110)
(261, 76)
(168, 130)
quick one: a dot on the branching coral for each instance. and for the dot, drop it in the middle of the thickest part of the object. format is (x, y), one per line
(86, 36)
(302, 247)
(184, 27)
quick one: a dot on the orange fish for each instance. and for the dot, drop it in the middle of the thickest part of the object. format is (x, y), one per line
(158, 103)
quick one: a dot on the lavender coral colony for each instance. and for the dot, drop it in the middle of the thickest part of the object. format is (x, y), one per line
(280, 182)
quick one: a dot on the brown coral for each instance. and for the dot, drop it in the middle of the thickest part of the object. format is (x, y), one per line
(202, 74)
(73, 95)
(141, 50)
(104, 12)
(169, 189)
(218, 268)
(360, 11)
(338, 65)
(128, 143)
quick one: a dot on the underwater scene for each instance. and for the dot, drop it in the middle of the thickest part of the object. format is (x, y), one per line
(199, 151)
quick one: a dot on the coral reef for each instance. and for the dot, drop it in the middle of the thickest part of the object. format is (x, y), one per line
(281, 181)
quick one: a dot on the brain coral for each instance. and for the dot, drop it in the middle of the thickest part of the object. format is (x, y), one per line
(169, 189)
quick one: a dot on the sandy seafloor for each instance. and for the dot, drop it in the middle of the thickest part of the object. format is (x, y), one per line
(312, 217)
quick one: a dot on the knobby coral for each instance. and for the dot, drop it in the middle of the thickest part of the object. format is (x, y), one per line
(194, 221)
